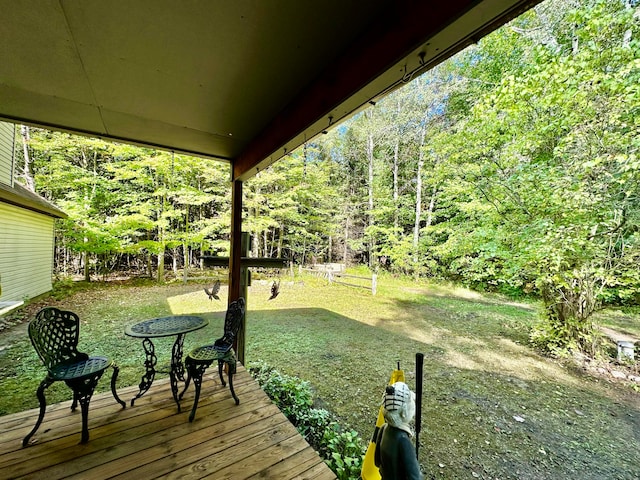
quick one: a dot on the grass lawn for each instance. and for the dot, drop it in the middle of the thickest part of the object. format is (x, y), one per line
(492, 407)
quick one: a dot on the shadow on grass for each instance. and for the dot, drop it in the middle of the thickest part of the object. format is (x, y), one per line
(491, 405)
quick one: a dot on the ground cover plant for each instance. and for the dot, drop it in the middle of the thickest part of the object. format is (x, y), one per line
(493, 406)
(342, 449)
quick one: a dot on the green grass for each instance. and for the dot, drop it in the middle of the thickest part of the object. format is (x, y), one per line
(480, 372)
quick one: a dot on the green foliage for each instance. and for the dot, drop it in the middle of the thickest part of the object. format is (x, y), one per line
(346, 453)
(292, 206)
(545, 178)
(125, 201)
(513, 167)
(66, 287)
(561, 336)
(479, 369)
(342, 450)
(292, 395)
(313, 425)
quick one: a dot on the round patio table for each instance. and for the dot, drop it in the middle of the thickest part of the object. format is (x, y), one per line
(174, 325)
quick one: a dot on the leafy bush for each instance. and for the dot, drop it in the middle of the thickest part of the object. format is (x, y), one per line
(313, 426)
(570, 300)
(292, 396)
(343, 450)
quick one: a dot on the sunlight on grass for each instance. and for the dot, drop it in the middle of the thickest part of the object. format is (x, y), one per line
(508, 358)
(480, 371)
(435, 336)
(468, 341)
(197, 301)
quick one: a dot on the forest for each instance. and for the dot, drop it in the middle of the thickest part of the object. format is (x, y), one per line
(512, 167)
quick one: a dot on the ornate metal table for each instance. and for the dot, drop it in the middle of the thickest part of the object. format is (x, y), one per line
(177, 325)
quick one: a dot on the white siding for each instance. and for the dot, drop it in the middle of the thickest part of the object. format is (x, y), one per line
(26, 253)
(7, 138)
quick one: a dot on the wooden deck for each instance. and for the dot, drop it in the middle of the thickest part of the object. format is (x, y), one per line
(152, 440)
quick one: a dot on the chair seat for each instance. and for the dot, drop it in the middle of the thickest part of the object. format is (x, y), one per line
(83, 368)
(209, 353)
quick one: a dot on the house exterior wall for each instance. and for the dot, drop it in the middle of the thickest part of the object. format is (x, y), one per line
(7, 137)
(26, 231)
(26, 252)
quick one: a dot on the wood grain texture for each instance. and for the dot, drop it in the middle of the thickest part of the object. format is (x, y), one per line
(152, 440)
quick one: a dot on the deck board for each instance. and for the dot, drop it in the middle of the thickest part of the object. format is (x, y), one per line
(152, 440)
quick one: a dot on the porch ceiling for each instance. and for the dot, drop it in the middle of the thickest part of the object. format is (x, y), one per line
(241, 81)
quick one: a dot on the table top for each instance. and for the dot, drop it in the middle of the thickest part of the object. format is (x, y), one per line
(166, 326)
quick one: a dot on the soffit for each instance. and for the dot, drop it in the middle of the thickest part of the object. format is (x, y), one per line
(240, 81)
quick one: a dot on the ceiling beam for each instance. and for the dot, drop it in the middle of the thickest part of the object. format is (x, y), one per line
(403, 27)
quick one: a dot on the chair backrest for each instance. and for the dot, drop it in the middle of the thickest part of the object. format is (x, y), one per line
(54, 334)
(233, 321)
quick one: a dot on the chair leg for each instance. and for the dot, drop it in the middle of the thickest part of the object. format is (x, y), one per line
(196, 372)
(187, 381)
(84, 409)
(232, 370)
(114, 377)
(173, 379)
(43, 407)
(220, 365)
(83, 390)
(74, 403)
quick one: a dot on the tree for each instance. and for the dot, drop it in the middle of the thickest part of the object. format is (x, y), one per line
(552, 152)
(128, 201)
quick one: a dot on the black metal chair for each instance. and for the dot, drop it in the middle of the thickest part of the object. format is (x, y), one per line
(54, 334)
(200, 358)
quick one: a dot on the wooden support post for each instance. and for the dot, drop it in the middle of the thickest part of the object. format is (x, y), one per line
(244, 283)
(235, 260)
(239, 263)
(236, 241)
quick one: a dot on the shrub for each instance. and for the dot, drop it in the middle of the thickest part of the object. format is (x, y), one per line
(343, 450)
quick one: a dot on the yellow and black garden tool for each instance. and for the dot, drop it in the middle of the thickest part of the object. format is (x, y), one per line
(369, 469)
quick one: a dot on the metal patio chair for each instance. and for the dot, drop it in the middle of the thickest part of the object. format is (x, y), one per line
(200, 358)
(54, 334)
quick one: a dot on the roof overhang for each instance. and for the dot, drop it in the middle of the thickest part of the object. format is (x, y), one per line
(243, 81)
(19, 196)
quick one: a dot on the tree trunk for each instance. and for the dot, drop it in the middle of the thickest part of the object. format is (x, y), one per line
(161, 238)
(161, 264)
(432, 206)
(280, 236)
(255, 244)
(396, 194)
(418, 210)
(26, 171)
(185, 247)
(87, 271)
(265, 241)
(370, 188)
(345, 252)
